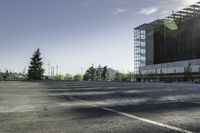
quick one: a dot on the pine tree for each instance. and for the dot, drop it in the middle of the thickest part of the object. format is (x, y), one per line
(104, 74)
(91, 74)
(36, 70)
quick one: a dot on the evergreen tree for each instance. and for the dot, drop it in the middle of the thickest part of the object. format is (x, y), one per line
(104, 74)
(86, 76)
(36, 70)
(91, 74)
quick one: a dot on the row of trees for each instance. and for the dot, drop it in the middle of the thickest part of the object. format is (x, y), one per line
(36, 72)
(69, 77)
(124, 76)
(94, 74)
(4, 76)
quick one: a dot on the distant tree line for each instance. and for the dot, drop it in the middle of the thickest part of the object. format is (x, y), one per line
(102, 74)
(124, 76)
(36, 72)
(8, 75)
(96, 74)
(4, 76)
(91, 74)
(69, 77)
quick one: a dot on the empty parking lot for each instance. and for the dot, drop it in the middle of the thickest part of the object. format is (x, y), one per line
(77, 107)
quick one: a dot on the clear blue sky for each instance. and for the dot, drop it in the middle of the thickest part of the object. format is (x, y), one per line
(75, 33)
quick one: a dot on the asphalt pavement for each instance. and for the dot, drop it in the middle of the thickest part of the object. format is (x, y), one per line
(96, 107)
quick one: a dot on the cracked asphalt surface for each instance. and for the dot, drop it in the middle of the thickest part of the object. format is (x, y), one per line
(78, 107)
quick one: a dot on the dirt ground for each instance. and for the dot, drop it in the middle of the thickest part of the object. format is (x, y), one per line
(89, 107)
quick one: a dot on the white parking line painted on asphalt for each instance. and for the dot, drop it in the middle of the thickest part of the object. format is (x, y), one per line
(136, 117)
(148, 121)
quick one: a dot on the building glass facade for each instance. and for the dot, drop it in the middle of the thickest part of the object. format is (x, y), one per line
(139, 48)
